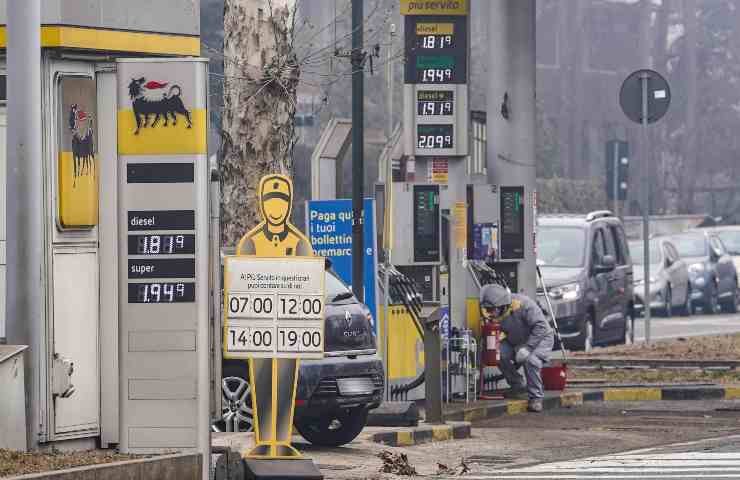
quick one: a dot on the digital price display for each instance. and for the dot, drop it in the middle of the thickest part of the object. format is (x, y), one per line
(169, 244)
(436, 50)
(512, 222)
(434, 136)
(434, 102)
(436, 69)
(161, 292)
(435, 35)
(426, 223)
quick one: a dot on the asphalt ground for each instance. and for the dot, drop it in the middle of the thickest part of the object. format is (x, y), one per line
(702, 459)
(518, 441)
(696, 325)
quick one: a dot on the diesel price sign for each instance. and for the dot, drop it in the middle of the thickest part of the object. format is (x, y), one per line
(274, 307)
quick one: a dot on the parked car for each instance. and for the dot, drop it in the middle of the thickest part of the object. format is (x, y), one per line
(670, 287)
(711, 270)
(335, 393)
(730, 237)
(586, 264)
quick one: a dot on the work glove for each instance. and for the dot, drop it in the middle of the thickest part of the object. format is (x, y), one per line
(522, 355)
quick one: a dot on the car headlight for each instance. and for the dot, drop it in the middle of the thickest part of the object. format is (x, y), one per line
(696, 267)
(569, 291)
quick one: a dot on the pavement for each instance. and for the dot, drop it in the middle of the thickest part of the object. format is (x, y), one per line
(514, 442)
(518, 442)
(710, 458)
(662, 328)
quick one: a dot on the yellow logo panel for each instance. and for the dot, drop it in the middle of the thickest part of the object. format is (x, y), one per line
(78, 191)
(153, 137)
(434, 7)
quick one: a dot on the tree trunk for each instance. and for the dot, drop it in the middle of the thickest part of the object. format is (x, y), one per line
(260, 80)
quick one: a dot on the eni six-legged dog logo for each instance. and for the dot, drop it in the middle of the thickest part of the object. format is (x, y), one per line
(83, 144)
(152, 98)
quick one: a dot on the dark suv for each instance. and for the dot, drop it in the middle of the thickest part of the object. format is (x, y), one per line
(586, 265)
(335, 393)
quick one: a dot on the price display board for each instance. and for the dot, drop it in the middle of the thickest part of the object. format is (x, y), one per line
(163, 254)
(436, 49)
(274, 307)
(434, 136)
(435, 102)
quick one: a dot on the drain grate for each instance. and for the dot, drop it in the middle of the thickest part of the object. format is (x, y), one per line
(334, 468)
(490, 459)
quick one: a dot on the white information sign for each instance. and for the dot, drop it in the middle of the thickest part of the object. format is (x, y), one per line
(273, 307)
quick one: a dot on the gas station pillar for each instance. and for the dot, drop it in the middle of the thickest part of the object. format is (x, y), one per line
(511, 117)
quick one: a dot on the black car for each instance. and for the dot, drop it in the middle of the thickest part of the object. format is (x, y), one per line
(586, 265)
(711, 270)
(335, 393)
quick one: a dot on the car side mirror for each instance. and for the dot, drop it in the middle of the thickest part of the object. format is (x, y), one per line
(608, 263)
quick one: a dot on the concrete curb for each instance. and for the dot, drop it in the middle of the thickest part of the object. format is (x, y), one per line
(407, 437)
(576, 398)
(185, 466)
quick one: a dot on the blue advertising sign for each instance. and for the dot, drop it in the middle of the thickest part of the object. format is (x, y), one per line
(330, 232)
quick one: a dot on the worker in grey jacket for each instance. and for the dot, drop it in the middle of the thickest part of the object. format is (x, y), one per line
(528, 341)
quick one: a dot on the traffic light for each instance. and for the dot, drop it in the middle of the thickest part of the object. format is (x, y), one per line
(617, 154)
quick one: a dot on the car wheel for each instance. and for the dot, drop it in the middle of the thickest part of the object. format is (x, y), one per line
(236, 401)
(668, 302)
(730, 306)
(333, 430)
(629, 329)
(585, 340)
(687, 307)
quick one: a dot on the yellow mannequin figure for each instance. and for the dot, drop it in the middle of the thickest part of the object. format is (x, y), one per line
(275, 236)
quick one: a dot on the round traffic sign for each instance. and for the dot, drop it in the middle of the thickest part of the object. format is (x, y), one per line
(658, 96)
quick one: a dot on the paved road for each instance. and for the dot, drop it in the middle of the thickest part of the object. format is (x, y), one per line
(714, 458)
(513, 443)
(696, 325)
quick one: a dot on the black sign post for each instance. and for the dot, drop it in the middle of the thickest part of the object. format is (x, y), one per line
(645, 97)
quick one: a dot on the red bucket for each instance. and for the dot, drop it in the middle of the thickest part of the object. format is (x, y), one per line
(555, 377)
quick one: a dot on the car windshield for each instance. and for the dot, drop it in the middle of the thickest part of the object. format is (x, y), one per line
(336, 289)
(561, 246)
(690, 245)
(731, 239)
(637, 252)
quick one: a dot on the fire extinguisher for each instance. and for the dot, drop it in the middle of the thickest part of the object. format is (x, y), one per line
(492, 341)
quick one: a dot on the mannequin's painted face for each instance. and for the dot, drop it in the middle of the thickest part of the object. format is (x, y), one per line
(276, 210)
